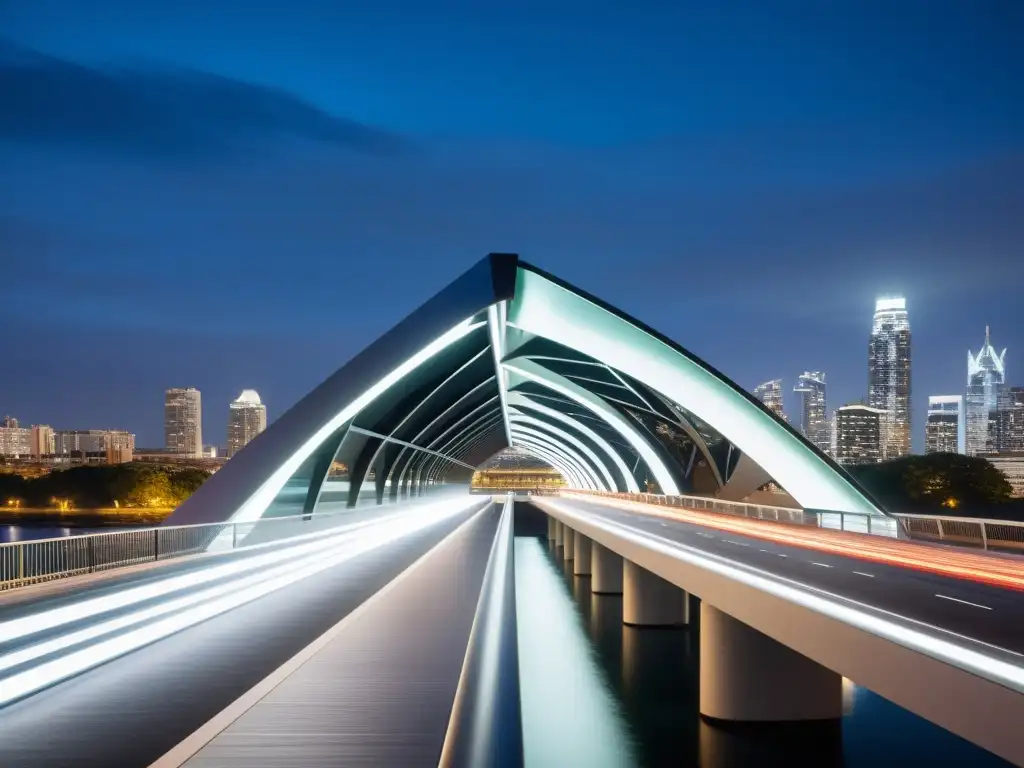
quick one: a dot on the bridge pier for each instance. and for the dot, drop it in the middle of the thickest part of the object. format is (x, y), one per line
(559, 532)
(569, 543)
(650, 601)
(581, 555)
(552, 524)
(747, 676)
(606, 571)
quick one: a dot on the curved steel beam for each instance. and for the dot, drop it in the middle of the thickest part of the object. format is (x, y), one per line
(571, 477)
(535, 372)
(588, 475)
(603, 481)
(520, 398)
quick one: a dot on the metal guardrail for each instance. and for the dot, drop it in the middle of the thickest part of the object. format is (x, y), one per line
(486, 721)
(839, 521)
(31, 562)
(996, 535)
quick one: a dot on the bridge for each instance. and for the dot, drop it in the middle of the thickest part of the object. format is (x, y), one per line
(334, 596)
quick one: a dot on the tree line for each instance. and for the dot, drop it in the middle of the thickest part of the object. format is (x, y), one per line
(96, 487)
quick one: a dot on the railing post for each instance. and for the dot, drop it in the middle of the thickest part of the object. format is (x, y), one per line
(156, 544)
(234, 535)
(938, 524)
(88, 552)
(21, 562)
(984, 536)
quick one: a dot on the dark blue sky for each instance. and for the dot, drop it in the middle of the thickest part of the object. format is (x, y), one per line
(195, 195)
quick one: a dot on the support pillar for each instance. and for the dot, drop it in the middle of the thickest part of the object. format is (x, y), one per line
(551, 528)
(581, 554)
(649, 600)
(747, 676)
(559, 533)
(605, 571)
(569, 542)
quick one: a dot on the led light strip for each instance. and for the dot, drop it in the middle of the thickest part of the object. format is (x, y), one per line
(43, 675)
(823, 602)
(28, 625)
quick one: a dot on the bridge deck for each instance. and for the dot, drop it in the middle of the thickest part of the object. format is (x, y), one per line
(378, 689)
(132, 710)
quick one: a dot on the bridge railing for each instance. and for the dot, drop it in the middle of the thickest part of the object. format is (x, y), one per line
(996, 535)
(31, 562)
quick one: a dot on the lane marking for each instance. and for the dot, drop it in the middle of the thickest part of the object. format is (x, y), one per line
(965, 602)
(821, 565)
(781, 555)
(737, 543)
(762, 550)
(861, 573)
(664, 525)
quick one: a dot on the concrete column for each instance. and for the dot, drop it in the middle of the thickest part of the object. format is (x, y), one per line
(581, 562)
(559, 533)
(606, 571)
(551, 528)
(569, 542)
(649, 600)
(747, 676)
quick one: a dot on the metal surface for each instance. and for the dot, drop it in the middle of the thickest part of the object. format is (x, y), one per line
(31, 562)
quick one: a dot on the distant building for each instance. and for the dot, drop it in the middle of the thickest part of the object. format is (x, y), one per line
(1012, 467)
(183, 422)
(91, 442)
(1006, 425)
(985, 376)
(43, 442)
(119, 454)
(814, 423)
(770, 393)
(15, 440)
(860, 430)
(889, 373)
(944, 431)
(247, 417)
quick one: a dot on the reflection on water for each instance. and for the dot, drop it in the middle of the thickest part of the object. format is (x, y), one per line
(598, 693)
(11, 533)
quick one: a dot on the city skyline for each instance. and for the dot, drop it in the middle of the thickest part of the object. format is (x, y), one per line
(706, 205)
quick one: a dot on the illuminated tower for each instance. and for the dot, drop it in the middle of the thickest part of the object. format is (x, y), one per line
(247, 417)
(986, 373)
(770, 393)
(183, 422)
(889, 374)
(810, 385)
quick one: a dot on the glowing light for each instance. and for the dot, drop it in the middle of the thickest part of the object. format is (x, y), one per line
(550, 311)
(567, 439)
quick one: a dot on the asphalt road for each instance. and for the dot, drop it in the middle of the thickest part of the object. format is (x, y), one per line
(132, 710)
(983, 612)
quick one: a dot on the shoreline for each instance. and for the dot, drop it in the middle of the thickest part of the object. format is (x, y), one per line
(83, 518)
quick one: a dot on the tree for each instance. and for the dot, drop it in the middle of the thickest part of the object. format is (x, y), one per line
(934, 482)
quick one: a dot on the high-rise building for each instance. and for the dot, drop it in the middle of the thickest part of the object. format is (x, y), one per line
(183, 422)
(986, 373)
(1007, 423)
(43, 442)
(15, 440)
(860, 431)
(889, 373)
(810, 385)
(770, 393)
(247, 417)
(944, 431)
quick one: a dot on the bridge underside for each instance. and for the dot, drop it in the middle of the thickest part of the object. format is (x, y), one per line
(509, 355)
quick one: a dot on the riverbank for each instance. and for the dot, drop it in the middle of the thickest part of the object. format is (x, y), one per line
(84, 518)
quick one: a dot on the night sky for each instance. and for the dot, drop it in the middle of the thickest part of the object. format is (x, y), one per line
(192, 194)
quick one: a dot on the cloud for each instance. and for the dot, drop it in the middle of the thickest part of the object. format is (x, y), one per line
(159, 112)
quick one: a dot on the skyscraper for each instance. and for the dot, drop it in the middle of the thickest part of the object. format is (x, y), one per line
(1008, 422)
(859, 434)
(889, 373)
(985, 376)
(247, 417)
(183, 422)
(944, 432)
(810, 385)
(770, 393)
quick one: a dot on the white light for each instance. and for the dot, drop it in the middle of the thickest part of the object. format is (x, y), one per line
(567, 439)
(45, 674)
(518, 398)
(863, 616)
(892, 304)
(567, 449)
(256, 504)
(550, 311)
(563, 386)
